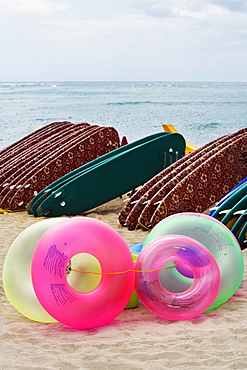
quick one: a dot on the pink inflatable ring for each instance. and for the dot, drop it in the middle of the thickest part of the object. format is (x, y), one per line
(95, 247)
(164, 290)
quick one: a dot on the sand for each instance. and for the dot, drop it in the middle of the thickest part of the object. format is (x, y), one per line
(136, 339)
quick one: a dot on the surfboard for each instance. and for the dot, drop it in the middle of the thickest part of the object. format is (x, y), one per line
(140, 199)
(112, 178)
(207, 183)
(82, 149)
(170, 128)
(27, 137)
(21, 175)
(240, 222)
(31, 207)
(235, 212)
(229, 194)
(169, 182)
(154, 184)
(242, 238)
(35, 153)
(139, 209)
(12, 151)
(232, 199)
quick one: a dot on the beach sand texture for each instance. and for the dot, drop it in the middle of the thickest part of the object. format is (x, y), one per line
(136, 339)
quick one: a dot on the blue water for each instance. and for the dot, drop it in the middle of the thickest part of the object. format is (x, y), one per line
(199, 111)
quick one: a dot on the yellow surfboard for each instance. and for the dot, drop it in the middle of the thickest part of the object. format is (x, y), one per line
(169, 128)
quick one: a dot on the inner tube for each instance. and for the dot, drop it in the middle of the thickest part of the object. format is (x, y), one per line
(168, 293)
(217, 238)
(17, 282)
(106, 254)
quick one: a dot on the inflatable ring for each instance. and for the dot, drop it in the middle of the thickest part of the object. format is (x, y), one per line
(134, 250)
(17, 280)
(53, 261)
(167, 292)
(217, 238)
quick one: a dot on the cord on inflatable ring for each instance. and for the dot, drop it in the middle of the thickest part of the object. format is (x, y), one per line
(217, 238)
(168, 293)
(107, 252)
(17, 281)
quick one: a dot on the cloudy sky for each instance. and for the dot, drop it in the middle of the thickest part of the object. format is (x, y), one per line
(123, 40)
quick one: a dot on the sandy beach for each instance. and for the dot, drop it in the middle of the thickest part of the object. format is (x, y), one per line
(136, 339)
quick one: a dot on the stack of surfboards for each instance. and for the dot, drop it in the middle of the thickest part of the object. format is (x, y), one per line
(192, 184)
(35, 161)
(231, 210)
(109, 176)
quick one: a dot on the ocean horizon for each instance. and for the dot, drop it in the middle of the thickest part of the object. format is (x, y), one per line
(201, 111)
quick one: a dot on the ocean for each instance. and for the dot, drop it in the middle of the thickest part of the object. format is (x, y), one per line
(200, 111)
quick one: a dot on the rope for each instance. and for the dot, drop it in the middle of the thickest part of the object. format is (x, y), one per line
(123, 272)
(146, 228)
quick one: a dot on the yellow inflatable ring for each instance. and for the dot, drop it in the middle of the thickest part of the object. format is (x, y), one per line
(17, 281)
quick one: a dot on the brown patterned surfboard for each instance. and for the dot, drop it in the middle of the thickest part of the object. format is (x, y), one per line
(129, 204)
(35, 145)
(88, 148)
(26, 171)
(155, 184)
(28, 158)
(208, 183)
(141, 214)
(63, 146)
(14, 155)
(146, 215)
(33, 134)
(12, 151)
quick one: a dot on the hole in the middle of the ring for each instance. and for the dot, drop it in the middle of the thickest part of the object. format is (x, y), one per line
(83, 280)
(173, 280)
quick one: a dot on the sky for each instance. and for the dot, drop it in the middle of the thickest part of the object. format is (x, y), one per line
(123, 40)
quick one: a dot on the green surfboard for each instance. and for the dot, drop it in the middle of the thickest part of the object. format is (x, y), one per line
(32, 206)
(242, 237)
(228, 195)
(113, 176)
(233, 214)
(238, 225)
(230, 202)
